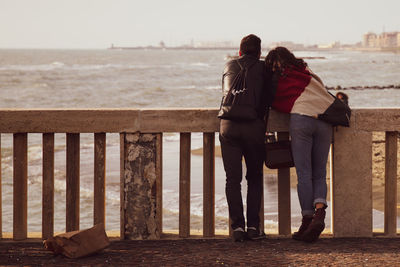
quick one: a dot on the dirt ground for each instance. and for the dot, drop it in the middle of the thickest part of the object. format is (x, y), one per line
(273, 251)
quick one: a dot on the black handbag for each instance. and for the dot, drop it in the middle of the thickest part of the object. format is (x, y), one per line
(338, 113)
(278, 154)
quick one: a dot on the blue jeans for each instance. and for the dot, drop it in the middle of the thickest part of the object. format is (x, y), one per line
(311, 140)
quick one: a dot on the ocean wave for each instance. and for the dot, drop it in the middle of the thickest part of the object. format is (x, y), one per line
(112, 197)
(171, 204)
(6, 169)
(42, 67)
(59, 184)
(186, 65)
(184, 87)
(213, 87)
(196, 139)
(171, 137)
(34, 152)
(102, 66)
(200, 64)
(57, 64)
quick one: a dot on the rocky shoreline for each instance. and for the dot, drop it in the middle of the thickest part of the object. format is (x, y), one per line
(360, 87)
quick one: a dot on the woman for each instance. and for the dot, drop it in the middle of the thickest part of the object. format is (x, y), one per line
(301, 93)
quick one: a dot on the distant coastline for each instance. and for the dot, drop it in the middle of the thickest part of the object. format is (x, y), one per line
(311, 48)
(150, 47)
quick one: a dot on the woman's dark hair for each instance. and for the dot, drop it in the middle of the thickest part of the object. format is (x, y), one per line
(250, 45)
(280, 58)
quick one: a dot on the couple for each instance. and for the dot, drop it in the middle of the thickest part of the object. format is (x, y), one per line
(286, 84)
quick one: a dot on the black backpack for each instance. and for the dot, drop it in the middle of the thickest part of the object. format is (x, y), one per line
(240, 102)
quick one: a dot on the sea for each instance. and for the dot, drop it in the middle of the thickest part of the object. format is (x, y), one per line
(155, 79)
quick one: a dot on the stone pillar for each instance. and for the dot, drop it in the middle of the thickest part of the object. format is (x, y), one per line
(351, 188)
(141, 188)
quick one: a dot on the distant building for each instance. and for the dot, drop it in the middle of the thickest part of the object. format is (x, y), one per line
(389, 39)
(329, 46)
(383, 40)
(289, 45)
(370, 39)
(398, 39)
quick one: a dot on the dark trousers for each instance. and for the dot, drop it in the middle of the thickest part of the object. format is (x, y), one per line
(238, 140)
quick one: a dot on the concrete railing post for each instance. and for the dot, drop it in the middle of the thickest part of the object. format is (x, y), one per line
(141, 186)
(351, 186)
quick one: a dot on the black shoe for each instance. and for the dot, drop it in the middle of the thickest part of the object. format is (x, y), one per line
(305, 222)
(254, 234)
(239, 235)
(316, 226)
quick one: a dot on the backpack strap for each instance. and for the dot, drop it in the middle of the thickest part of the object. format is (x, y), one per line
(244, 69)
(247, 67)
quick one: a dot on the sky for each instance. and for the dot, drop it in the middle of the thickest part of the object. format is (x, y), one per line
(99, 23)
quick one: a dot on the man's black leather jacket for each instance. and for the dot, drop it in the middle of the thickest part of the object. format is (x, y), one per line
(256, 78)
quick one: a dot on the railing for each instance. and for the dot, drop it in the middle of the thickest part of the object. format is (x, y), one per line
(141, 131)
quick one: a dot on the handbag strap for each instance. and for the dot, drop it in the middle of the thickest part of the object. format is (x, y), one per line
(273, 84)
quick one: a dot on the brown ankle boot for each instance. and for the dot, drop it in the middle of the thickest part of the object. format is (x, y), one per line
(305, 222)
(316, 226)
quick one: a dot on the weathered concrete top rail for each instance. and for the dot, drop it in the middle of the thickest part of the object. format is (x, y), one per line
(160, 120)
(108, 120)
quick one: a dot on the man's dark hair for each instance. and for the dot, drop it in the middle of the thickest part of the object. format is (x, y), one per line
(250, 45)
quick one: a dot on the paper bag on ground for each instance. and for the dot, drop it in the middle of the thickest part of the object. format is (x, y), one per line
(79, 243)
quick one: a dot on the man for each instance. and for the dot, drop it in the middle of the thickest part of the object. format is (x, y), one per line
(242, 134)
(344, 97)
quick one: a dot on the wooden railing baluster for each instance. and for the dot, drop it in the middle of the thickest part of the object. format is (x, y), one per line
(1, 203)
(122, 184)
(159, 180)
(72, 190)
(261, 212)
(48, 186)
(20, 185)
(391, 183)
(208, 184)
(284, 218)
(99, 178)
(184, 185)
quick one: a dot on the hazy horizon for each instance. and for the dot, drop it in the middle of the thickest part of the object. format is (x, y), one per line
(96, 24)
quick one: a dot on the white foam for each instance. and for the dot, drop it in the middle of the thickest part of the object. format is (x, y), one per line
(171, 137)
(213, 87)
(200, 64)
(34, 152)
(184, 87)
(42, 67)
